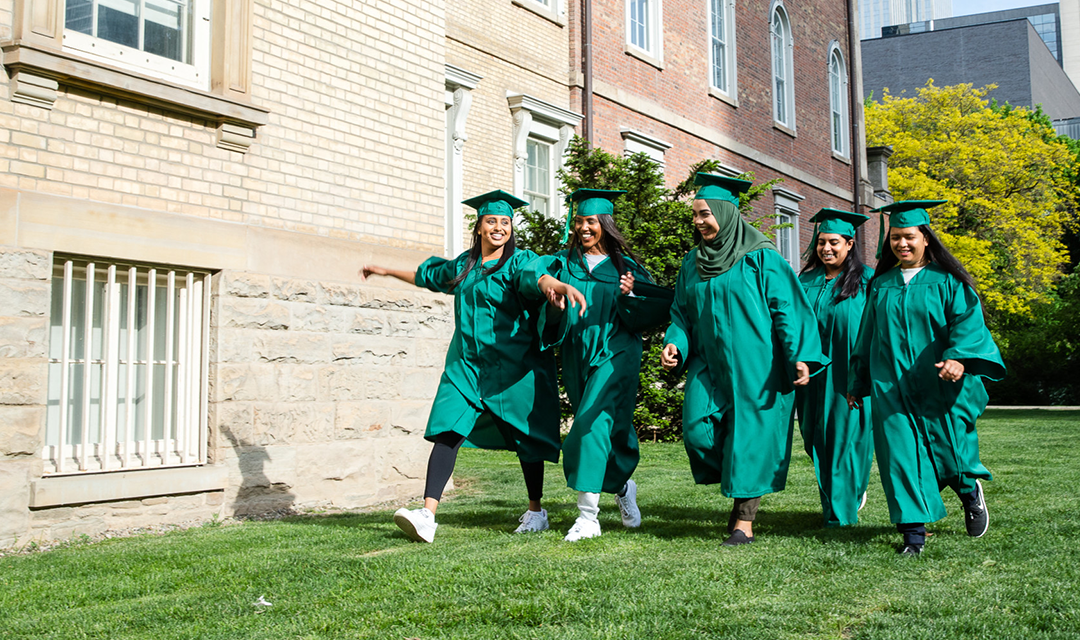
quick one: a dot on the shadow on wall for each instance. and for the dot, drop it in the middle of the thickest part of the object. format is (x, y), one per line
(257, 494)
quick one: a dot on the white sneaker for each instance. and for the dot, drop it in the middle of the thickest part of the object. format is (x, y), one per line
(532, 521)
(583, 528)
(631, 515)
(418, 524)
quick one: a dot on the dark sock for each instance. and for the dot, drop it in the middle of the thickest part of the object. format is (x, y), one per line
(622, 492)
(440, 465)
(969, 499)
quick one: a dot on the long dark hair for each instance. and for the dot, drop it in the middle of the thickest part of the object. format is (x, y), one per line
(612, 241)
(474, 253)
(850, 281)
(935, 252)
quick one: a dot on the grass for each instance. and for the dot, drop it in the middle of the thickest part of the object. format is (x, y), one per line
(356, 576)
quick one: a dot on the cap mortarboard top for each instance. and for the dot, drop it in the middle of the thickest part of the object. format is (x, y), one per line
(715, 187)
(497, 203)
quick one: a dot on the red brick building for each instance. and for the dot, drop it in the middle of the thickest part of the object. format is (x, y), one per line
(761, 85)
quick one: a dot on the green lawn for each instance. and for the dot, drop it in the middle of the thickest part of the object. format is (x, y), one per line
(356, 576)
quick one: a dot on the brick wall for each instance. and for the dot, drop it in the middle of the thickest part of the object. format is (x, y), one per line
(355, 133)
(517, 51)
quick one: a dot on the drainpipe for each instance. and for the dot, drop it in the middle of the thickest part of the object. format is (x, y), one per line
(586, 68)
(854, 85)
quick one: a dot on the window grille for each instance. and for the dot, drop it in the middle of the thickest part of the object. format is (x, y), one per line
(838, 102)
(640, 24)
(127, 367)
(719, 30)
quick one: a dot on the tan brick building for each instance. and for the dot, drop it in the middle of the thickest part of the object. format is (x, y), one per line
(218, 170)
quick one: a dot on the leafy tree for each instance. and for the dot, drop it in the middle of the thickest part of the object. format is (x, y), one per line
(1009, 179)
(657, 223)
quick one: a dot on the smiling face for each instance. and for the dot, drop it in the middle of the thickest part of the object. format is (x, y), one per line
(704, 221)
(908, 244)
(588, 232)
(832, 249)
(494, 232)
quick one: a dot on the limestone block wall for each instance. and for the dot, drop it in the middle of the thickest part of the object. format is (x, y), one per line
(320, 391)
(24, 310)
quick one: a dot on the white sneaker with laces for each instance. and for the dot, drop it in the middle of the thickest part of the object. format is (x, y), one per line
(418, 524)
(631, 515)
(583, 528)
(532, 521)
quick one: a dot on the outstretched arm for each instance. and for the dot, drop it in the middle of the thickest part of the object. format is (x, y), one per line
(560, 294)
(374, 270)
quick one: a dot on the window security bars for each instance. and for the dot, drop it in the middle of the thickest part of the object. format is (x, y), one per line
(127, 368)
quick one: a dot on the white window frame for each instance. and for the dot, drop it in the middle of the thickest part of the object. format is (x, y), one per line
(540, 121)
(727, 39)
(552, 10)
(637, 142)
(546, 189)
(839, 122)
(195, 74)
(106, 438)
(653, 16)
(786, 210)
(782, 53)
(457, 100)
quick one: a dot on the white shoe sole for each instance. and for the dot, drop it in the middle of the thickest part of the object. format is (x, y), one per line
(405, 524)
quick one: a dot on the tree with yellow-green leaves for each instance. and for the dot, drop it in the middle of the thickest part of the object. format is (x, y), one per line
(1010, 182)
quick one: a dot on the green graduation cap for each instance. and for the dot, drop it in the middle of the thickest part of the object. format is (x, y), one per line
(829, 220)
(715, 187)
(589, 202)
(903, 214)
(495, 203)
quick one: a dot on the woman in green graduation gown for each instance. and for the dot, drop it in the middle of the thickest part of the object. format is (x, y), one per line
(498, 390)
(744, 330)
(837, 438)
(922, 351)
(601, 354)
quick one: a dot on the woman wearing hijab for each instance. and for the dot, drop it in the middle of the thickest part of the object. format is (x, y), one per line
(601, 353)
(922, 351)
(498, 390)
(837, 438)
(744, 330)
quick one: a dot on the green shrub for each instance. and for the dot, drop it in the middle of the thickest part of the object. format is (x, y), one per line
(657, 223)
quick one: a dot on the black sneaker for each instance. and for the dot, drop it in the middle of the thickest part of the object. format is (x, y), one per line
(976, 517)
(738, 538)
(910, 550)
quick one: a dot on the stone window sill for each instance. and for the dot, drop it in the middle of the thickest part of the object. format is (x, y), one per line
(841, 158)
(37, 73)
(644, 57)
(723, 97)
(125, 485)
(542, 11)
(784, 128)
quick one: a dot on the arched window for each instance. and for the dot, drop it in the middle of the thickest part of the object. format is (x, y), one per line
(783, 80)
(838, 101)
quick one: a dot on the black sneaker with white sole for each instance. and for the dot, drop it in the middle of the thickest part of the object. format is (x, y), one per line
(910, 550)
(976, 517)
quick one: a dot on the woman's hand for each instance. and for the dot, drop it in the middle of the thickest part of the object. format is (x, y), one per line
(560, 294)
(372, 270)
(669, 357)
(853, 402)
(951, 370)
(626, 283)
(802, 370)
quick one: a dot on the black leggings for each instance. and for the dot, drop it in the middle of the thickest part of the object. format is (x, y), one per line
(443, 456)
